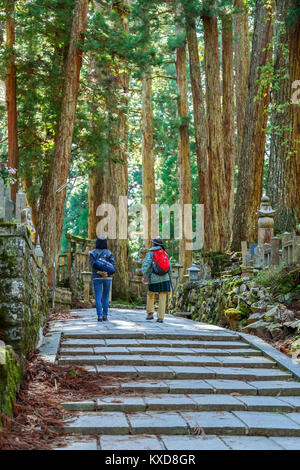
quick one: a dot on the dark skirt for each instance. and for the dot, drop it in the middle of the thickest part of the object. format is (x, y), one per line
(160, 287)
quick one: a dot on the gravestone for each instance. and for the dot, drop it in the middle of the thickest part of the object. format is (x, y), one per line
(258, 257)
(265, 221)
(7, 207)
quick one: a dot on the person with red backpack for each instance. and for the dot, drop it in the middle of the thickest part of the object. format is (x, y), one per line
(156, 269)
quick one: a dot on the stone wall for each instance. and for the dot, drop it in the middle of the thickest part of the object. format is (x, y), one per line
(23, 301)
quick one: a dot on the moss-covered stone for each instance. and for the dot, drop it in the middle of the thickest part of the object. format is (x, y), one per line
(11, 372)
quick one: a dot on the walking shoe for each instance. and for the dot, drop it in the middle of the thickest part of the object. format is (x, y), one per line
(159, 321)
(149, 316)
(105, 318)
(100, 318)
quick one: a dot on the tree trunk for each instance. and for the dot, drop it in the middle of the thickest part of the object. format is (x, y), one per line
(95, 196)
(184, 164)
(228, 110)
(219, 222)
(11, 94)
(249, 189)
(242, 66)
(63, 143)
(200, 123)
(148, 159)
(119, 171)
(293, 199)
(282, 174)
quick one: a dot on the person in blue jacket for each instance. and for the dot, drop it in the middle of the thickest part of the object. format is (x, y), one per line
(101, 281)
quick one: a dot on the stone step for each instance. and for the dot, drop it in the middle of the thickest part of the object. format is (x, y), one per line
(184, 336)
(288, 391)
(238, 423)
(135, 343)
(182, 402)
(179, 372)
(68, 351)
(186, 442)
(159, 360)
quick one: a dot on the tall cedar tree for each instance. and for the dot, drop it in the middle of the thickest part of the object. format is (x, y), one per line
(249, 188)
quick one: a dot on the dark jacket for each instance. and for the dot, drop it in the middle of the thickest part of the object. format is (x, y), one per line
(105, 254)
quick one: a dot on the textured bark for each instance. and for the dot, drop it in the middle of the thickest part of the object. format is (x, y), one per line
(249, 189)
(147, 151)
(119, 171)
(293, 199)
(11, 94)
(63, 142)
(282, 176)
(200, 123)
(95, 197)
(228, 110)
(219, 222)
(185, 190)
(242, 65)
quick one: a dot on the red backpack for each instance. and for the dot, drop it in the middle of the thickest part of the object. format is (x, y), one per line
(161, 263)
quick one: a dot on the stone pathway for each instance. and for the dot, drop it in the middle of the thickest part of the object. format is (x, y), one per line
(187, 385)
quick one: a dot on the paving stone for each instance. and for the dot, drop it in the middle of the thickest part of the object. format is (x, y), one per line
(121, 403)
(170, 402)
(192, 372)
(214, 422)
(259, 362)
(219, 344)
(124, 360)
(130, 443)
(157, 423)
(174, 351)
(268, 424)
(97, 423)
(162, 360)
(224, 352)
(84, 359)
(154, 343)
(244, 373)
(128, 371)
(152, 387)
(79, 405)
(250, 443)
(217, 402)
(121, 342)
(75, 351)
(276, 387)
(190, 386)
(293, 401)
(267, 403)
(193, 443)
(145, 350)
(231, 386)
(288, 443)
(109, 350)
(157, 371)
(76, 444)
(73, 343)
(199, 360)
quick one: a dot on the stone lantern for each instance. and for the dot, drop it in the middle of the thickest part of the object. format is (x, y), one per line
(175, 272)
(193, 272)
(265, 221)
(86, 275)
(38, 251)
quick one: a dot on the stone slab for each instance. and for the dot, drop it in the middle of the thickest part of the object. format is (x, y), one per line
(250, 443)
(79, 405)
(190, 386)
(73, 343)
(111, 350)
(259, 362)
(170, 402)
(225, 352)
(219, 344)
(152, 387)
(294, 416)
(214, 422)
(76, 351)
(267, 403)
(293, 401)
(175, 351)
(192, 372)
(268, 424)
(144, 350)
(121, 403)
(76, 444)
(157, 423)
(232, 386)
(281, 387)
(217, 402)
(130, 443)
(193, 443)
(124, 359)
(155, 371)
(288, 443)
(199, 360)
(121, 371)
(97, 423)
(49, 347)
(244, 373)
(162, 360)
(121, 342)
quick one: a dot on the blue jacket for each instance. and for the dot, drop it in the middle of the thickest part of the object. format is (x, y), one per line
(147, 268)
(105, 254)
